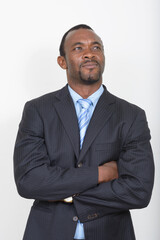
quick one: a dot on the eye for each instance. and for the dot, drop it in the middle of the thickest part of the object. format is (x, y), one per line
(96, 47)
(77, 49)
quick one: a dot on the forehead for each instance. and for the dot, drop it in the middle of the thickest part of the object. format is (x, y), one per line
(82, 35)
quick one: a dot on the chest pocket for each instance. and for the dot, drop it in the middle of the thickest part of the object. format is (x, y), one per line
(106, 152)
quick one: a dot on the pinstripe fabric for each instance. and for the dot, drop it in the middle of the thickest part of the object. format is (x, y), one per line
(83, 119)
(46, 159)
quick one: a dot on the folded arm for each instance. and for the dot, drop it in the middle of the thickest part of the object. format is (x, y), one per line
(133, 187)
(35, 176)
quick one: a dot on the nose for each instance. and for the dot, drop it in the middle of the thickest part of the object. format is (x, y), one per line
(88, 54)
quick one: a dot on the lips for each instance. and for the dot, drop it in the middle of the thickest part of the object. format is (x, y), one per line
(90, 64)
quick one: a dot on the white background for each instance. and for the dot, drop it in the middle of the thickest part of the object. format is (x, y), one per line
(30, 35)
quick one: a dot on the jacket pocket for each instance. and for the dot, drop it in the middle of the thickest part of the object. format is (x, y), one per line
(113, 146)
(106, 152)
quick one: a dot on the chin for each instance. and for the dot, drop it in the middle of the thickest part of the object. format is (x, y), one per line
(89, 81)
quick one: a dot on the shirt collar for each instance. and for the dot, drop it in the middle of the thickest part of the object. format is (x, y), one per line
(94, 97)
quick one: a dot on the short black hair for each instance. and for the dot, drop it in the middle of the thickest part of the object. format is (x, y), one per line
(61, 48)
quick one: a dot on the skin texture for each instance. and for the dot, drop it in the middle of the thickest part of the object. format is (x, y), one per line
(84, 63)
(107, 172)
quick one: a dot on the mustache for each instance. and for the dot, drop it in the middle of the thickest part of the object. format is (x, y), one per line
(89, 61)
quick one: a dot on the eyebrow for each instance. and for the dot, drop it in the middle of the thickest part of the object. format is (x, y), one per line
(77, 43)
(97, 43)
(81, 43)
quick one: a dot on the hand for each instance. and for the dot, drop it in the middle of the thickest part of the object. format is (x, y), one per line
(107, 172)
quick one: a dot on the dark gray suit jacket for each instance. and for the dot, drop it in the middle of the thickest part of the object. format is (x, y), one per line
(48, 166)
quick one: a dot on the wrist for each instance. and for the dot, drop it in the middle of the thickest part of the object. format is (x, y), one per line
(100, 174)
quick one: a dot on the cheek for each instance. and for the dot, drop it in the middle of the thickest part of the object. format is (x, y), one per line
(72, 68)
(102, 58)
(73, 64)
(102, 61)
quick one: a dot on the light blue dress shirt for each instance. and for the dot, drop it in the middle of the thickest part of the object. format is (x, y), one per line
(79, 234)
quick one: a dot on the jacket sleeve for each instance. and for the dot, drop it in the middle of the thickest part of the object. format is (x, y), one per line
(35, 177)
(133, 188)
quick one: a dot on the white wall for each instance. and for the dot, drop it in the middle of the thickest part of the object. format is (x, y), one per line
(30, 35)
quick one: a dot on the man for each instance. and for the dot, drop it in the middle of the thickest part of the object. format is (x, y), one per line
(82, 153)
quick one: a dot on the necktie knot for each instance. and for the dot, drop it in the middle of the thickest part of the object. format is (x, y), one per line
(85, 103)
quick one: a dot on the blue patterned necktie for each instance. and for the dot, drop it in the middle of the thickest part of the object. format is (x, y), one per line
(83, 118)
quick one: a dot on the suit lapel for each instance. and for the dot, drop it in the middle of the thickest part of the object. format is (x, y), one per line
(103, 111)
(66, 111)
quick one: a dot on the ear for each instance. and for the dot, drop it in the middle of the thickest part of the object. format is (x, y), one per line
(62, 62)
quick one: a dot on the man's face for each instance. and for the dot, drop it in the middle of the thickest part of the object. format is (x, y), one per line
(84, 57)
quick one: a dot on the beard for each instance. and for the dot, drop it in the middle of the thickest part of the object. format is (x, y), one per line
(90, 77)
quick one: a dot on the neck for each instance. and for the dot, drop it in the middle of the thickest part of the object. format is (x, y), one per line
(85, 90)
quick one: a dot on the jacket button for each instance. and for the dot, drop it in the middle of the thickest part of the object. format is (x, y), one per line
(75, 218)
(80, 165)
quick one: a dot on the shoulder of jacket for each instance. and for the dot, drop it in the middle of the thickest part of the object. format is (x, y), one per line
(45, 99)
(124, 105)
